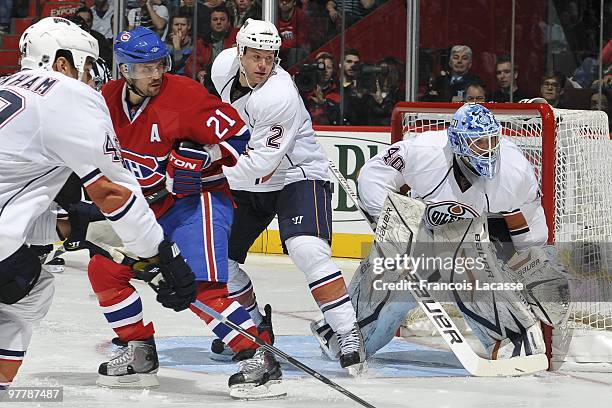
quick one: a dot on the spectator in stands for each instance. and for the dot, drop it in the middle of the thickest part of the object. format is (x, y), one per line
(606, 80)
(180, 43)
(354, 109)
(551, 88)
(240, 10)
(384, 93)
(150, 14)
(323, 103)
(204, 10)
(450, 86)
(503, 73)
(293, 27)
(329, 79)
(84, 19)
(475, 92)
(600, 101)
(355, 10)
(6, 12)
(222, 36)
(102, 13)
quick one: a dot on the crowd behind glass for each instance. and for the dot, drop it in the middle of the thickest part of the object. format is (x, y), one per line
(343, 84)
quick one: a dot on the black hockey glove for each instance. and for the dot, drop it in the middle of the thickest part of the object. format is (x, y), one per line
(170, 276)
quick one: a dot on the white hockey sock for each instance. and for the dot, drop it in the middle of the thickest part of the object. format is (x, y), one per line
(240, 289)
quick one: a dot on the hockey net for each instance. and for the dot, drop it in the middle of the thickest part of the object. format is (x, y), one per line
(572, 153)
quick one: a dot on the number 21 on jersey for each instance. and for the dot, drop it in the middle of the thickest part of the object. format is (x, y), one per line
(219, 123)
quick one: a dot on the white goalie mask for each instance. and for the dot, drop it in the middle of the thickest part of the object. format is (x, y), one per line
(41, 41)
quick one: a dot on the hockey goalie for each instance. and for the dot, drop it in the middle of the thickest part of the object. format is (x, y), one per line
(474, 211)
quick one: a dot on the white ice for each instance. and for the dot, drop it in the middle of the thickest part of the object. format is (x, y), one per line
(74, 339)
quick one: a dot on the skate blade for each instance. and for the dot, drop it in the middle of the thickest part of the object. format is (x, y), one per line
(225, 358)
(357, 370)
(54, 268)
(128, 381)
(249, 392)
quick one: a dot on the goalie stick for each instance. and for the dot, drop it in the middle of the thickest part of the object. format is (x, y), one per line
(456, 341)
(121, 258)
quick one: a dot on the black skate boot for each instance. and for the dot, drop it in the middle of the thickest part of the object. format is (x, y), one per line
(134, 367)
(49, 257)
(352, 351)
(260, 376)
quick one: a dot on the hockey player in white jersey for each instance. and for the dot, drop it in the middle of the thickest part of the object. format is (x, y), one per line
(284, 173)
(464, 172)
(51, 124)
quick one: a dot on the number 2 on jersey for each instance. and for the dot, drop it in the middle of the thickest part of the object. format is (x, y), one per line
(219, 131)
(11, 104)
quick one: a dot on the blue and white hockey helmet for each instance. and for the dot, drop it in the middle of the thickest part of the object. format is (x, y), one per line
(141, 46)
(474, 134)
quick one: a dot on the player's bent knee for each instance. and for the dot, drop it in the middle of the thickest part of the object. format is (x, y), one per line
(311, 255)
(104, 274)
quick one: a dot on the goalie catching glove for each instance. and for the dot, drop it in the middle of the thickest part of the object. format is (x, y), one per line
(185, 165)
(169, 275)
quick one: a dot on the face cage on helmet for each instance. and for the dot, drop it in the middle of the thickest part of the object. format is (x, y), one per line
(484, 161)
(166, 66)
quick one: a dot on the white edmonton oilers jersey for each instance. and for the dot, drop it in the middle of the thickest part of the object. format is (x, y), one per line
(282, 149)
(50, 125)
(425, 164)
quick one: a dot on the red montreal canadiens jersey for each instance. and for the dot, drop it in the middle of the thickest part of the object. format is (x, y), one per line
(183, 110)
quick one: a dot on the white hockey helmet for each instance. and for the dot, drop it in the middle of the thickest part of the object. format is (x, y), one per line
(40, 42)
(258, 34)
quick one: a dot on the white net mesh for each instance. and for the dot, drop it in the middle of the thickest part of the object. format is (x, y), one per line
(582, 205)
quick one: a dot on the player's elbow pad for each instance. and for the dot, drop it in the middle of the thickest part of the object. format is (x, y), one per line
(135, 224)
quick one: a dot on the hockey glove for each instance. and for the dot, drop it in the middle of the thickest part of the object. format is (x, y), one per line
(170, 276)
(184, 170)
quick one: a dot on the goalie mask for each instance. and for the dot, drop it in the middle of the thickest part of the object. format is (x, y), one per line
(474, 135)
(40, 43)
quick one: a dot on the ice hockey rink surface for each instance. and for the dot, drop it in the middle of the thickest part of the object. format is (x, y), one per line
(74, 339)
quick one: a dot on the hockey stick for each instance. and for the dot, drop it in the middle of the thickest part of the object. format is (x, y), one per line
(456, 341)
(120, 257)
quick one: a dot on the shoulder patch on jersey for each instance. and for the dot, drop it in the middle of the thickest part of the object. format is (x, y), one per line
(447, 211)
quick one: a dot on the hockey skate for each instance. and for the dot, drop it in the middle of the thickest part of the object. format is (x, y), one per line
(260, 376)
(352, 351)
(49, 257)
(134, 367)
(221, 352)
(326, 338)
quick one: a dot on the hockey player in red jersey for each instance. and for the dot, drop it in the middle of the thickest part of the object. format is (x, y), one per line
(175, 136)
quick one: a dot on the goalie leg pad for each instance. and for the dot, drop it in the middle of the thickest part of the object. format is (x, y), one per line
(312, 256)
(546, 284)
(499, 316)
(120, 302)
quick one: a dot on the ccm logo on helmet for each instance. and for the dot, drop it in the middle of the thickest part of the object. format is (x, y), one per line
(125, 37)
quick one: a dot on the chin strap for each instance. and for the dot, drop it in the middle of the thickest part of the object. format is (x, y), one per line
(132, 88)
